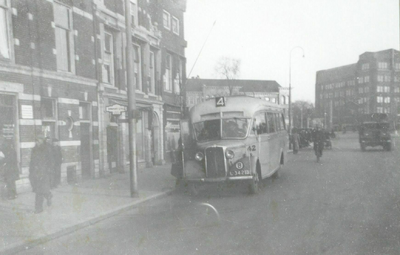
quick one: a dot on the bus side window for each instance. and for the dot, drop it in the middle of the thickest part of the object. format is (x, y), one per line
(260, 124)
(271, 122)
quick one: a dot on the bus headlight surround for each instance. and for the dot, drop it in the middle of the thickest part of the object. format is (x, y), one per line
(199, 156)
(229, 154)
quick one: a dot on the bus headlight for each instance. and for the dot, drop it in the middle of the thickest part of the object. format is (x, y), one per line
(199, 156)
(229, 154)
(239, 165)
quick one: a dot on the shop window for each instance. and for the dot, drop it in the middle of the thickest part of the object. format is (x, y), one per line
(49, 117)
(62, 20)
(84, 111)
(48, 109)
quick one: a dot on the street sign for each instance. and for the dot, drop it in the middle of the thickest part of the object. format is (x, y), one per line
(116, 109)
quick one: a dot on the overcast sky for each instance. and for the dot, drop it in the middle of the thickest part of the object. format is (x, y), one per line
(261, 33)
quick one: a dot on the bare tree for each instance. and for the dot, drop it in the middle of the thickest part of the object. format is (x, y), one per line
(302, 111)
(228, 68)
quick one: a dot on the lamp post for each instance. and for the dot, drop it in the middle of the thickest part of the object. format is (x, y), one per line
(290, 86)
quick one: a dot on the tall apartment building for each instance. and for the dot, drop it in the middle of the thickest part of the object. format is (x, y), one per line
(344, 93)
(62, 63)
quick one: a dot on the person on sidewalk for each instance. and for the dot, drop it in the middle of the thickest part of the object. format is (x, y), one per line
(11, 169)
(319, 140)
(295, 141)
(57, 157)
(40, 170)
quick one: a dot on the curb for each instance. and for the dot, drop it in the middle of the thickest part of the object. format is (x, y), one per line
(22, 246)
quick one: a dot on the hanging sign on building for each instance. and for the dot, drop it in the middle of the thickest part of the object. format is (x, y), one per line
(116, 109)
(26, 112)
(8, 131)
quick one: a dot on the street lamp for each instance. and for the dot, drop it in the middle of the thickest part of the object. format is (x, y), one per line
(290, 86)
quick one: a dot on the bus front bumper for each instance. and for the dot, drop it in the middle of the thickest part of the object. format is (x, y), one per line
(220, 179)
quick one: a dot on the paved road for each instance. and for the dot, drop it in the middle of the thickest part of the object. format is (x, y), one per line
(349, 203)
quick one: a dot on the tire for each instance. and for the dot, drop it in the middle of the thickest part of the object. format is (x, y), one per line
(254, 184)
(362, 147)
(388, 147)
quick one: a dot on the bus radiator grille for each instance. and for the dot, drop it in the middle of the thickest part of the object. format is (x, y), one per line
(215, 162)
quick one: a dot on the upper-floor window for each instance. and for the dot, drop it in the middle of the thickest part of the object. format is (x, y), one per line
(62, 20)
(365, 66)
(386, 89)
(134, 14)
(386, 100)
(175, 25)
(397, 66)
(168, 73)
(387, 78)
(152, 71)
(4, 31)
(396, 90)
(380, 78)
(361, 90)
(366, 79)
(379, 99)
(137, 66)
(108, 58)
(382, 65)
(379, 89)
(167, 20)
(360, 80)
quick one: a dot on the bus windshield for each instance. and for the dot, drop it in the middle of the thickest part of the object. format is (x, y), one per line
(211, 129)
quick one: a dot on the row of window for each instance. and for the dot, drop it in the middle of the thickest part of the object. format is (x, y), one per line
(381, 99)
(381, 65)
(110, 57)
(167, 22)
(361, 80)
(268, 122)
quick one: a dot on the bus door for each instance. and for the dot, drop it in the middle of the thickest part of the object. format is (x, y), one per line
(261, 128)
(274, 141)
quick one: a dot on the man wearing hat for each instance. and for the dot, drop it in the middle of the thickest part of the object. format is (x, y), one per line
(40, 171)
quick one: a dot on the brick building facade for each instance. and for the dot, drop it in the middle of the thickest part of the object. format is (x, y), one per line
(63, 62)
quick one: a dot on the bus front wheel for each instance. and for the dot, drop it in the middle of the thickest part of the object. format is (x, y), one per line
(254, 184)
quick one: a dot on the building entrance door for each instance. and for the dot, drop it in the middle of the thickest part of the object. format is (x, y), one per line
(86, 157)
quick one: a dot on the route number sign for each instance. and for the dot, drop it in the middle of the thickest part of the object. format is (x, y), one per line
(220, 102)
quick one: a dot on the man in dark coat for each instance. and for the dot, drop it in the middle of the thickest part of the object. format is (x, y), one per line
(57, 157)
(11, 169)
(318, 139)
(40, 170)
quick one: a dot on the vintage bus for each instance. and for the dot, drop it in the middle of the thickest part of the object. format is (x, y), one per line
(235, 138)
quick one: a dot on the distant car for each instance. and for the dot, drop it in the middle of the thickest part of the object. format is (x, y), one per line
(375, 133)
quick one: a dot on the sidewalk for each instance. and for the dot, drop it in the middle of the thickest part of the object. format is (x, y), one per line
(76, 206)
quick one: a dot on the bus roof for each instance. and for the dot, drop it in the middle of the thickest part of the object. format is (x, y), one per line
(235, 106)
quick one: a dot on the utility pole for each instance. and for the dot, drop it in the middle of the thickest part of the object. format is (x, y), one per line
(131, 102)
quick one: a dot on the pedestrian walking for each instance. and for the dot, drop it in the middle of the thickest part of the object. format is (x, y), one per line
(295, 141)
(40, 170)
(57, 157)
(10, 168)
(318, 139)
